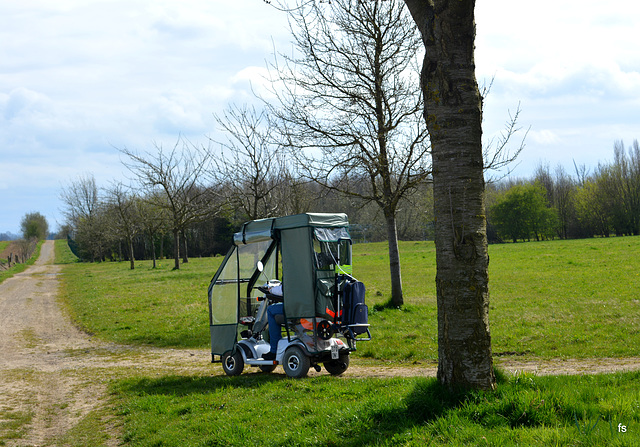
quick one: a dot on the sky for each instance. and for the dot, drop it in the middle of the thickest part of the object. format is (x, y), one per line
(80, 79)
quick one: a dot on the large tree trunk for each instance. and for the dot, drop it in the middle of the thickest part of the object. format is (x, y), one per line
(453, 111)
(394, 260)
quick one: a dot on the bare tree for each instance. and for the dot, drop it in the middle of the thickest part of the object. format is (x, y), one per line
(250, 165)
(564, 189)
(81, 198)
(348, 108)
(498, 154)
(26, 247)
(179, 175)
(620, 182)
(453, 113)
(126, 216)
(85, 213)
(153, 222)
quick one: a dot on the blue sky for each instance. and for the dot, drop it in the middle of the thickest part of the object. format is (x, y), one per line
(79, 79)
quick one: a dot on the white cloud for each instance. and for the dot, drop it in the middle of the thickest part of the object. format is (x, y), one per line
(544, 137)
(574, 68)
(81, 78)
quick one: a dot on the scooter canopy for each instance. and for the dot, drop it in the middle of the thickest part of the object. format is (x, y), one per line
(307, 252)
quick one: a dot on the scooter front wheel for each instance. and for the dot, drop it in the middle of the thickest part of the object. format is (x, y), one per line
(233, 364)
(295, 362)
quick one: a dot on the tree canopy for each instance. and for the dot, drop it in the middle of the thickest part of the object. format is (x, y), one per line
(34, 226)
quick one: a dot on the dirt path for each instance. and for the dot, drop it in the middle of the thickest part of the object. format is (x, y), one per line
(55, 375)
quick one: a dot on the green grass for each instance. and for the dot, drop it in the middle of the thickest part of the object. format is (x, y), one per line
(160, 307)
(63, 254)
(262, 409)
(558, 299)
(13, 425)
(551, 299)
(567, 298)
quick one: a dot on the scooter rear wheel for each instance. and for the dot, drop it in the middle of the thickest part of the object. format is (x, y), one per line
(233, 364)
(295, 362)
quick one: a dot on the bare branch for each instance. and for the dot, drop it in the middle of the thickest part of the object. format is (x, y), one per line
(501, 156)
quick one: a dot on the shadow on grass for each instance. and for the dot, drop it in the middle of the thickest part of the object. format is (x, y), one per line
(184, 386)
(387, 304)
(428, 402)
(450, 410)
(420, 413)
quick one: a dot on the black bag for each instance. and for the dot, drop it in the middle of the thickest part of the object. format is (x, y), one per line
(356, 311)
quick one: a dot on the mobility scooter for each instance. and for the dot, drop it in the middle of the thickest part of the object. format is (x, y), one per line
(304, 262)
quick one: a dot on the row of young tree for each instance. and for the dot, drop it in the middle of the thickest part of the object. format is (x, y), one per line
(123, 223)
(555, 204)
(136, 222)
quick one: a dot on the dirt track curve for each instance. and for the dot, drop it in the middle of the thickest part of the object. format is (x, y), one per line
(58, 374)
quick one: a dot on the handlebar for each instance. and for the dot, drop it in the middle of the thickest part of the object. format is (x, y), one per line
(268, 295)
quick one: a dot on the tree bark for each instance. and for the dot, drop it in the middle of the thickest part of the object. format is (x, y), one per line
(185, 254)
(453, 112)
(397, 299)
(132, 260)
(153, 249)
(176, 251)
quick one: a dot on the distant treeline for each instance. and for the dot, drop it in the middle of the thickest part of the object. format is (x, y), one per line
(555, 204)
(125, 224)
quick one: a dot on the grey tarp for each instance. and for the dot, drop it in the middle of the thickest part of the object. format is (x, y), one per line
(260, 230)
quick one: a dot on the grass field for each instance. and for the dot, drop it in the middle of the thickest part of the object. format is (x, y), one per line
(552, 299)
(558, 299)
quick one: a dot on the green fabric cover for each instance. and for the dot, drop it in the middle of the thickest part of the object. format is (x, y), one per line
(297, 279)
(307, 291)
(223, 304)
(223, 338)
